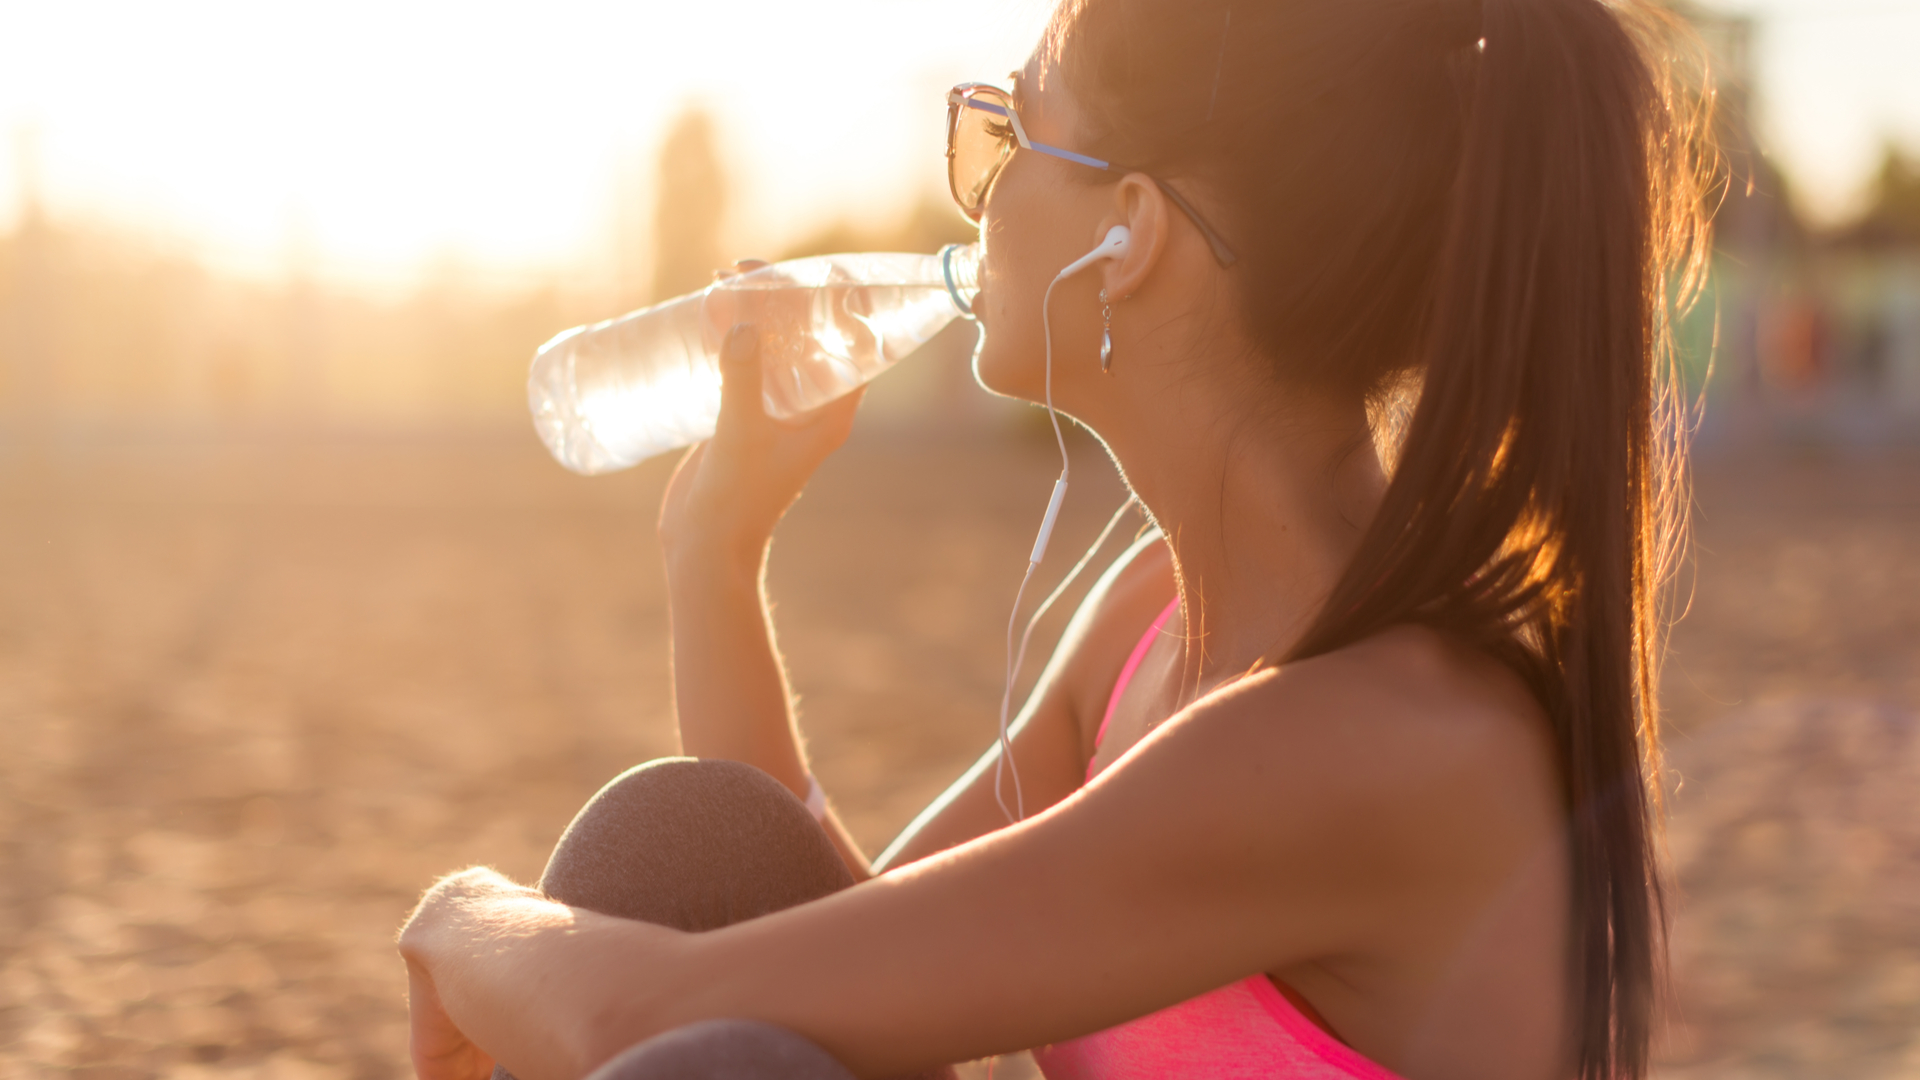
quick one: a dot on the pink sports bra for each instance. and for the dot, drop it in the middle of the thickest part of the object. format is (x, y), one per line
(1248, 1030)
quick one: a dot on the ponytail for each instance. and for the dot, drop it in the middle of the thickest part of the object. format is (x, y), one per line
(1531, 507)
(1499, 199)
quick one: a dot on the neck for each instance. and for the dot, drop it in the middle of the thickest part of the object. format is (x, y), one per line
(1262, 514)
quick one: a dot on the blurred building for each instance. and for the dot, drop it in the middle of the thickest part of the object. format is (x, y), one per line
(1870, 277)
(1813, 335)
(1802, 333)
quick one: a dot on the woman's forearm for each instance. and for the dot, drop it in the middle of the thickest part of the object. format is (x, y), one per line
(720, 509)
(731, 698)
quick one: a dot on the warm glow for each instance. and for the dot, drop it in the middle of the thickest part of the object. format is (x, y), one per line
(1837, 80)
(370, 138)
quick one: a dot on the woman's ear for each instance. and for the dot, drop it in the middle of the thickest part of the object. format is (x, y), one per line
(1140, 205)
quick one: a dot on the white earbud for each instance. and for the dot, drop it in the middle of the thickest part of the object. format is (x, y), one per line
(1113, 247)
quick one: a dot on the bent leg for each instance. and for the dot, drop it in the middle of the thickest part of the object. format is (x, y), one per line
(697, 844)
(724, 1050)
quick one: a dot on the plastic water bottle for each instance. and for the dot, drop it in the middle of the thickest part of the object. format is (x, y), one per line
(615, 393)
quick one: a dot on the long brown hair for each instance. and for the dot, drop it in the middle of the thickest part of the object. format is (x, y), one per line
(1499, 203)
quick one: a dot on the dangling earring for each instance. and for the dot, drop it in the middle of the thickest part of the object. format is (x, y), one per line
(1106, 335)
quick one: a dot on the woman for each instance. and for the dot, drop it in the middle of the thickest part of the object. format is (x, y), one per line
(1372, 796)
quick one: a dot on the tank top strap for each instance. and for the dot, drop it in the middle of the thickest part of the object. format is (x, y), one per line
(1132, 665)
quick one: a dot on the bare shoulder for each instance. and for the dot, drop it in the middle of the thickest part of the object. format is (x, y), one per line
(1392, 814)
(1408, 700)
(1420, 750)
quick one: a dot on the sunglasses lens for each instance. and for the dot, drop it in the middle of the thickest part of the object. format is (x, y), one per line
(981, 139)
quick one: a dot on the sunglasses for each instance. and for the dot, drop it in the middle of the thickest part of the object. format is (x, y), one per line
(982, 131)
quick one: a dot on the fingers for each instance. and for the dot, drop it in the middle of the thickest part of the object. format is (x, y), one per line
(740, 266)
(740, 395)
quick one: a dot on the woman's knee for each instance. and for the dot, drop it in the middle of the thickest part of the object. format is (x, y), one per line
(694, 844)
(724, 1050)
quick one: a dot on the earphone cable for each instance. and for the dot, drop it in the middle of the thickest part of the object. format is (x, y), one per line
(1017, 657)
(1020, 657)
(1005, 758)
(1046, 328)
(1004, 761)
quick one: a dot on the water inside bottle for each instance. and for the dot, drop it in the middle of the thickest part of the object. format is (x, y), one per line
(610, 395)
(819, 343)
(598, 411)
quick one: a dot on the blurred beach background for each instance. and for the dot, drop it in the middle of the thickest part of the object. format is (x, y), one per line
(296, 613)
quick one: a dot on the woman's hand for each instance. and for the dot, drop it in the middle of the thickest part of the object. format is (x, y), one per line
(729, 492)
(500, 972)
(440, 1050)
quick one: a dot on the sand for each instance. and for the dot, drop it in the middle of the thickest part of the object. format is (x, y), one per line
(255, 694)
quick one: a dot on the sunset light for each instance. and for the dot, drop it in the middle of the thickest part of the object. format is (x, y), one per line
(375, 137)
(372, 139)
(1326, 538)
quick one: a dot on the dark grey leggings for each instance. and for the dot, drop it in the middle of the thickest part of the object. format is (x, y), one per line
(697, 845)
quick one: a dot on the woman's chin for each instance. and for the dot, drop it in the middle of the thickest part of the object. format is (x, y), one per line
(990, 367)
(991, 372)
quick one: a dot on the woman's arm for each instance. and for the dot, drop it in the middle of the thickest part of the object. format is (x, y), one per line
(731, 698)
(731, 694)
(1303, 814)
